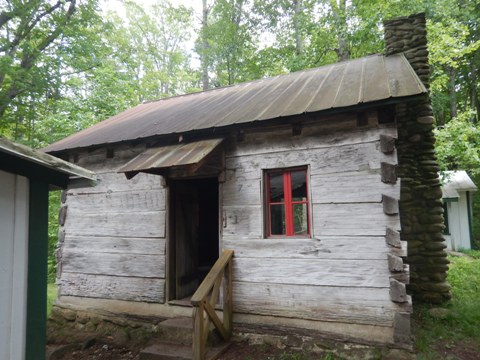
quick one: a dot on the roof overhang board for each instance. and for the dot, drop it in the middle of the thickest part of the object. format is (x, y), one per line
(187, 157)
(35, 164)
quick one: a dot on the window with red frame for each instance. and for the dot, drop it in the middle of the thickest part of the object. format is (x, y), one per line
(287, 203)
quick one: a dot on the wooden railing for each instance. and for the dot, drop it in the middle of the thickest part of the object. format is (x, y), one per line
(204, 301)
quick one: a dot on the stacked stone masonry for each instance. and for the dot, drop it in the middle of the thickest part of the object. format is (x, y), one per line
(421, 211)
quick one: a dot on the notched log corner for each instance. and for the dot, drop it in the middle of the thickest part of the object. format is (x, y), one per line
(390, 205)
(395, 263)
(392, 237)
(398, 291)
(62, 215)
(387, 144)
(389, 173)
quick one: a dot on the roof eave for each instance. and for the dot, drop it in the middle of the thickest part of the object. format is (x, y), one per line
(73, 172)
(253, 123)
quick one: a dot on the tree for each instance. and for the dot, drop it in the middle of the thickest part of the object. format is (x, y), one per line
(30, 33)
(227, 45)
(458, 148)
(150, 48)
(454, 48)
(142, 57)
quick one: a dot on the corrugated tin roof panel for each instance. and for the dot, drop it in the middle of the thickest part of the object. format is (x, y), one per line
(173, 155)
(345, 84)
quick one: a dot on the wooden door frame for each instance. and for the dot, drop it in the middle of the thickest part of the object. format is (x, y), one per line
(170, 246)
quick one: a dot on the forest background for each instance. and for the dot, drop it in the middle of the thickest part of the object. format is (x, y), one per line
(67, 64)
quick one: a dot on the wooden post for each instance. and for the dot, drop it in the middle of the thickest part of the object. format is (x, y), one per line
(198, 343)
(204, 301)
(228, 300)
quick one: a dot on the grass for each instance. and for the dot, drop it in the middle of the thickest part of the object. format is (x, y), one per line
(51, 296)
(462, 323)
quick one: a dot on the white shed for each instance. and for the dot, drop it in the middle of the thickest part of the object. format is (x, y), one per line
(457, 203)
(26, 176)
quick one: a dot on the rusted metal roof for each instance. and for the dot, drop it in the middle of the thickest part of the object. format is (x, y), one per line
(345, 84)
(170, 156)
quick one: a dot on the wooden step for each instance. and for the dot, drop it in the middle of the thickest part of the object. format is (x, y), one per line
(176, 330)
(180, 330)
(172, 351)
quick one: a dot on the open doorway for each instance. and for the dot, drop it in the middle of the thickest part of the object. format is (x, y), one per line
(193, 240)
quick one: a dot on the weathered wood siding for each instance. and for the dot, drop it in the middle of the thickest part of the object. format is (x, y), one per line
(113, 234)
(341, 273)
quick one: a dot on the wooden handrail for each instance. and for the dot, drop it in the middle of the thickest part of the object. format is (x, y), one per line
(204, 301)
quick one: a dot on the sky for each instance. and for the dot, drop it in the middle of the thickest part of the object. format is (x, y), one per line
(117, 6)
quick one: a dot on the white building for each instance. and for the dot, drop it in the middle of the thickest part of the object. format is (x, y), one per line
(457, 202)
(26, 176)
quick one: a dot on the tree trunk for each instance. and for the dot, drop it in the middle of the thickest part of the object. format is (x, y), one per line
(298, 8)
(474, 101)
(340, 21)
(452, 74)
(203, 56)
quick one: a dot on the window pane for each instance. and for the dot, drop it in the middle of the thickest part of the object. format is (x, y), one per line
(300, 219)
(276, 187)
(277, 219)
(299, 185)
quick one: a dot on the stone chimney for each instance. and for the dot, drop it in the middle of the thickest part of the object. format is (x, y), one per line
(421, 210)
(408, 35)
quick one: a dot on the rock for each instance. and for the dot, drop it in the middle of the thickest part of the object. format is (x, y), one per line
(82, 317)
(95, 320)
(90, 327)
(439, 313)
(69, 315)
(425, 119)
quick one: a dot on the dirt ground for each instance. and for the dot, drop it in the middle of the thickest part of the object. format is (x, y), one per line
(461, 350)
(106, 350)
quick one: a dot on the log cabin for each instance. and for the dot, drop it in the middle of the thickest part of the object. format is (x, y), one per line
(322, 182)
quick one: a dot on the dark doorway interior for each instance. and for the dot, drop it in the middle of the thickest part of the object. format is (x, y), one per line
(194, 234)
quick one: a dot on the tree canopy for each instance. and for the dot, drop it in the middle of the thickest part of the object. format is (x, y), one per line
(66, 64)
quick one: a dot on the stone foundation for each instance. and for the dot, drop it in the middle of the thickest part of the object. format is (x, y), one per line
(78, 325)
(81, 326)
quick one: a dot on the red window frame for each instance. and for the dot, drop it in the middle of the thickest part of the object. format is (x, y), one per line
(288, 202)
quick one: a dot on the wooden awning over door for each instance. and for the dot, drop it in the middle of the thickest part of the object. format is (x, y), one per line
(187, 158)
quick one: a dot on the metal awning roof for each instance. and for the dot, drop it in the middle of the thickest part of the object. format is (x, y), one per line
(366, 80)
(155, 159)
